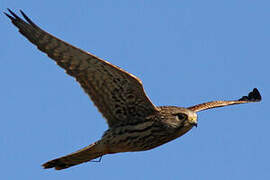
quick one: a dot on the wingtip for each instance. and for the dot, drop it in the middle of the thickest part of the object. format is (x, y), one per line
(16, 20)
(27, 18)
(9, 16)
(12, 13)
(9, 10)
(12, 16)
(253, 96)
(255, 93)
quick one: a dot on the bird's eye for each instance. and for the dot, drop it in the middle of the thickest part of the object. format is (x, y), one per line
(181, 116)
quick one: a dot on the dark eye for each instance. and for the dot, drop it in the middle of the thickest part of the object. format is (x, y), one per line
(181, 116)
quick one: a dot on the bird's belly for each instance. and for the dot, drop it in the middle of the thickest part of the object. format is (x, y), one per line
(141, 137)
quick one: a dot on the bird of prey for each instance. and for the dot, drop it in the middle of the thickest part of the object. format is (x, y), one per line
(135, 124)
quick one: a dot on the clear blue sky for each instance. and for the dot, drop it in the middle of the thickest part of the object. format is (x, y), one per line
(185, 52)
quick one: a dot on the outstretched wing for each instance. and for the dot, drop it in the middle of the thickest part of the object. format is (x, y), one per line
(253, 96)
(118, 95)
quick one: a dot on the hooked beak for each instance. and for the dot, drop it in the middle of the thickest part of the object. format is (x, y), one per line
(193, 119)
(194, 124)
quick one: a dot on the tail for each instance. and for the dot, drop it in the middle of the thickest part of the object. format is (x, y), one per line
(86, 154)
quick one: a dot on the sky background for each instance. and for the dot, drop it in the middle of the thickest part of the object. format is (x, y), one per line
(185, 52)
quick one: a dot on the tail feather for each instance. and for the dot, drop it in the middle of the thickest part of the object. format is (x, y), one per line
(86, 154)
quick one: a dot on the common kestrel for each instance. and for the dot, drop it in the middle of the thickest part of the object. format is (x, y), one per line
(135, 124)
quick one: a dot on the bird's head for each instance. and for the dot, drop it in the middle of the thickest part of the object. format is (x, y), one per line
(179, 117)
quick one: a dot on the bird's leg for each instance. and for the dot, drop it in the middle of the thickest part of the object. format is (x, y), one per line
(99, 160)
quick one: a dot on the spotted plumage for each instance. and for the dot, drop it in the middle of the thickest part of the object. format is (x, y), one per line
(135, 124)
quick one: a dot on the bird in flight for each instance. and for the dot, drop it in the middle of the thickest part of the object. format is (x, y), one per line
(135, 124)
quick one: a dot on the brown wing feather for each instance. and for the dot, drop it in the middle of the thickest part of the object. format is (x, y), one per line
(118, 95)
(253, 96)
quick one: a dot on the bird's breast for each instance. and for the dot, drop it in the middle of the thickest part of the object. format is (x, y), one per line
(139, 137)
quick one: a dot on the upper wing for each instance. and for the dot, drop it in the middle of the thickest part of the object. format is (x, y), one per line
(118, 95)
(253, 96)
